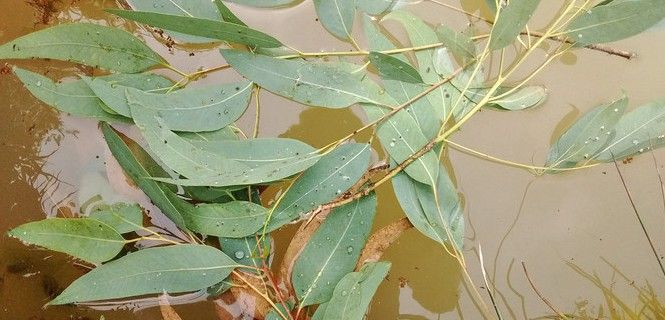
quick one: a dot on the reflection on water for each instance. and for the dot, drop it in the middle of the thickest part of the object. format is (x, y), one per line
(45, 159)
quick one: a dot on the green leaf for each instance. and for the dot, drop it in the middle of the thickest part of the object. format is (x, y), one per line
(512, 19)
(236, 219)
(523, 98)
(461, 46)
(393, 68)
(226, 13)
(86, 239)
(225, 31)
(226, 133)
(197, 109)
(587, 136)
(317, 84)
(615, 21)
(354, 293)
(140, 167)
(172, 269)
(122, 217)
(246, 251)
(337, 16)
(375, 7)
(328, 179)
(264, 3)
(332, 251)
(111, 91)
(84, 43)
(401, 138)
(186, 8)
(640, 130)
(73, 98)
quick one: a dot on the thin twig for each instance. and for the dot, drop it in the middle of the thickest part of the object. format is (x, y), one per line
(487, 283)
(547, 302)
(612, 51)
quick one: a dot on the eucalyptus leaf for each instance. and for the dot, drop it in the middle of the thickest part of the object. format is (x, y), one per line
(171, 269)
(513, 17)
(520, 99)
(337, 16)
(220, 30)
(226, 13)
(87, 239)
(461, 46)
(248, 251)
(122, 217)
(636, 132)
(317, 84)
(236, 219)
(260, 152)
(332, 251)
(587, 136)
(328, 179)
(393, 68)
(264, 3)
(354, 293)
(111, 91)
(89, 44)
(141, 168)
(615, 21)
(375, 7)
(186, 8)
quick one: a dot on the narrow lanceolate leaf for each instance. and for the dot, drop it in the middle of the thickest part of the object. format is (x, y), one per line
(248, 251)
(74, 97)
(328, 179)
(512, 20)
(141, 168)
(354, 293)
(111, 91)
(329, 85)
(187, 8)
(122, 217)
(337, 16)
(375, 7)
(264, 3)
(615, 21)
(393, 68)
(172, 269)
(176, 152)
(84, 43)
(587, 136)
(461, 46)
(86, 239)
(638, 131)
(332, 251)
(234, 219)
(523, 98)
(220, 30)
(207, 108)
(401, 137)
(226, 14)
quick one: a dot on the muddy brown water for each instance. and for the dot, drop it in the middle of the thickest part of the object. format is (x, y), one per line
(49, 162)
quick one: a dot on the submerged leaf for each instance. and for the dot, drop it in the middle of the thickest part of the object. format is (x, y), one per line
(317, 84)
(512, 19)
(172, 269)
(122, 217)
(85, 43)
(236, 219)
(220, 30)
(461, 46)
(328, 179)
(248, 251)
(87, 239)
(263, 3)
(337, 16)
(260, 152)
(375, 7)
(332, 251)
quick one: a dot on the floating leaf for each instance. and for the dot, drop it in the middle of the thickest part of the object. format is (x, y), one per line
(393, 68)
(207, 108)
(318, 84)
(85, 43)
(234, 219)
(332, 251)
(375, 7)
(247, 251)
(140, 167)
(172, 269)
(186, 8)
(513, 17)
(328, 179)
(226, 14)
(111, 89)
(461, 46)
(615, 21)
(225, 31)
(256, 153)
(354, 293)
(74, 97)
(264, 3)
(587, 136)
(122, 217)
(523, 98)
(337, 16)
(640, 130)
(87, 239)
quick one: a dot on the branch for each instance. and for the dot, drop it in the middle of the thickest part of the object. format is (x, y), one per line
(615, 52)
